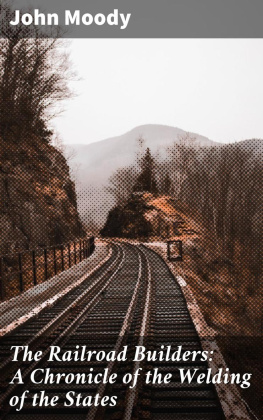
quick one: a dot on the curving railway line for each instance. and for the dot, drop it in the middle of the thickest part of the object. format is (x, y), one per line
(132, 300)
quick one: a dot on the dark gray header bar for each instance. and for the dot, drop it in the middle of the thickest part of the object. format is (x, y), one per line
(141, 18)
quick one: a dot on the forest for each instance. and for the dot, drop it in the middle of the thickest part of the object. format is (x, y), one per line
(219, 185)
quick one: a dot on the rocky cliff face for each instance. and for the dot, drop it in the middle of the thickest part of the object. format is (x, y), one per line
(38, 201)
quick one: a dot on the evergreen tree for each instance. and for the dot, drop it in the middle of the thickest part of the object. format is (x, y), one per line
(146, 181)
(167, 188)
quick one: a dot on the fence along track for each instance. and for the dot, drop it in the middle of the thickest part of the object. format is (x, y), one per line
(23, 270)
(65, 316)
(102, 308)
(142, 306)
(35, 340)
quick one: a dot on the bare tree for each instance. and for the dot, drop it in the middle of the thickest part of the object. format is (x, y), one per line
(121, 184)
(34, 75)
(223, 185)
(69, 154)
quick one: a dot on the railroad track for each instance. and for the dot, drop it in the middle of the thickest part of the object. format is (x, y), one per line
(133, 300)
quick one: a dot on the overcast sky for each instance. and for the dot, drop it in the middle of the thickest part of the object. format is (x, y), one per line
(210, 87)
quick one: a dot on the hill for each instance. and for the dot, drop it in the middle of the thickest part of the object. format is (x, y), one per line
(115, 152)
(98, 161)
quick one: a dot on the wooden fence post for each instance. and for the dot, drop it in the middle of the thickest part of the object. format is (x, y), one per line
(21, 285)
(55, 260)
(62, 257)
(80, 252)
(75, 253)
(45, 263)
(88, 250)
(2, 287)
(34, 268)
(69, 257)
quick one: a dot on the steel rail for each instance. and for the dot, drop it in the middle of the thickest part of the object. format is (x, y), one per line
(96, 410)
(132, 394)
(61, 315)
(62, 338)
(134, 308)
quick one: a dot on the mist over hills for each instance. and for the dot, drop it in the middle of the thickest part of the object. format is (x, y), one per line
(99, 160)
(96, 162)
